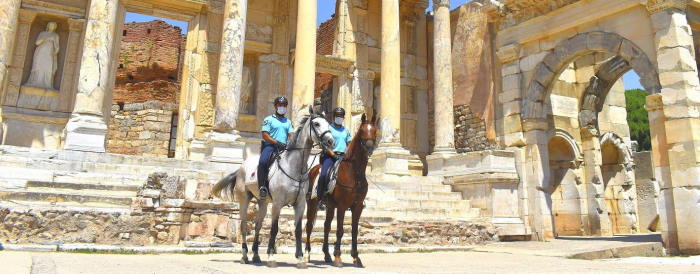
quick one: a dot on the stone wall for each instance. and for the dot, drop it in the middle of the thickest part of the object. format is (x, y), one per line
(647, 192)
(325, 37)
(141, 128)
(470, 131)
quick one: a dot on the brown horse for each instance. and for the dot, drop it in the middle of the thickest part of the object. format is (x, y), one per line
(349, 193)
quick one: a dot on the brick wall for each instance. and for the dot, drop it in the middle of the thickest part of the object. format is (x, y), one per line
(141, 128)
(150, 52)
(325, 37)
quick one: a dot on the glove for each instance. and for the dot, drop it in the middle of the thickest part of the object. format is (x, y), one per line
(280, 146)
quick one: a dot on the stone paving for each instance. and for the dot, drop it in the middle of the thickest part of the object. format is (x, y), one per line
(438, 262)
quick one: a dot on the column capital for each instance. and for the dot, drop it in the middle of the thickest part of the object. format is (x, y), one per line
(655, 6)
(441, 3)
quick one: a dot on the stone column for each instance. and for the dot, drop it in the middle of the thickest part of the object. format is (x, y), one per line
(304, 59)
(678, 76)
(223, 144)
(16, 67)
(442, 78)
(390, 157)
(537, 178)
(86, 129)
(9, 12)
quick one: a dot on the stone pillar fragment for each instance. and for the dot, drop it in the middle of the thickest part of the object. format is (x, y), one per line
(86, 129)
(442, 71)
(223, 144)
(678, 76)
(304, 59)
(9, 12)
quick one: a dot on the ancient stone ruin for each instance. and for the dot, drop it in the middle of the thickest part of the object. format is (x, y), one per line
(500, 119)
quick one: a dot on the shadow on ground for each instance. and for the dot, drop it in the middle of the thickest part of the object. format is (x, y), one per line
(638, 238)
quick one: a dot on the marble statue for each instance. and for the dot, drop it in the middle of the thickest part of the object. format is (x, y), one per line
(45, 61)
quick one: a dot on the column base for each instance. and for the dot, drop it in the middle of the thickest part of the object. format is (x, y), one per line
(225, 148)
(391, 159)
(85, 132)
(438, 159)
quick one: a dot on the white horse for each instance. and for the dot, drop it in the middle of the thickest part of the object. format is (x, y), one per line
(288, 178)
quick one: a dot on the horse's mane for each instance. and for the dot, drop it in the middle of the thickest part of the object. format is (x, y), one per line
(302, 122)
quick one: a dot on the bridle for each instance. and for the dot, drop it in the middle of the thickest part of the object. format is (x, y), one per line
(304, 168)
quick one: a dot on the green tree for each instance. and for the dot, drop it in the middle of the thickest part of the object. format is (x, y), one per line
(637, 118)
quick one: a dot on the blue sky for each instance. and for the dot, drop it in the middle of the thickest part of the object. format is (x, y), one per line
(135, 17)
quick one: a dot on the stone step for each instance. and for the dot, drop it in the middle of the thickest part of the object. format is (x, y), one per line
(110, 158)
(419, 203)
(377, 194)
(129, 190)
(55, 196)
(18, 205)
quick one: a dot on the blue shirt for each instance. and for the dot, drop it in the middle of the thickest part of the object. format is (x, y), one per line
(278, 127)
(341, 136)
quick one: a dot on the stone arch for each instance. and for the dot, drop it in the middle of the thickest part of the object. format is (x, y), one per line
(564, 197)
(619, 192)
(625, 153)
(579, 45)
(569, 139)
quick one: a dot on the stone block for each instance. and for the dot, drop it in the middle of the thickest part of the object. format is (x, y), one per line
(512, 82)
(515, 139)
(511, 108)
(510, 68)
(676, 79)
(509, 96)
(529, 63)
(676, 59)
(543, 75)
(512, 124)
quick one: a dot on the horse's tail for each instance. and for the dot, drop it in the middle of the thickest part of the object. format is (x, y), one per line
(224, 188)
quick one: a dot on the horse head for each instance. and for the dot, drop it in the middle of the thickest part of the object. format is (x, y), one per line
(367, 134)
(320, 129)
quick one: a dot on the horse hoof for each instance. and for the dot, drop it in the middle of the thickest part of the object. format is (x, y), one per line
(302, 265)
(256, 259)
(244, 260)
(271, 264)
(358, 263)
(338, 263)
(307, 258)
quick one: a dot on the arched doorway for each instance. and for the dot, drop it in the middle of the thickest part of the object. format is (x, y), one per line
(564, 180)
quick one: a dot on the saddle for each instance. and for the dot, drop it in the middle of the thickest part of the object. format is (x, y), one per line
(251, 179)
(332, 176)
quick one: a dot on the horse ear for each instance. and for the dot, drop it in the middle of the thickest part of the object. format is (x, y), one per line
(311, 109)
(364, 118)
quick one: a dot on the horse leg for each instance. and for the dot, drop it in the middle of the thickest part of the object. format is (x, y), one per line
(330, 211)
(298, 216)
(271, 251)
(259, 218)
(356, 213)
(338, 237)
(311, 211)
(244, 227)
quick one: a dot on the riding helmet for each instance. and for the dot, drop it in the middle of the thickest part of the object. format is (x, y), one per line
(339, 112)
(281, 100)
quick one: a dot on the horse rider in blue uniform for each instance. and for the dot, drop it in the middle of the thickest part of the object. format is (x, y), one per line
(276, 130)
(341, 135)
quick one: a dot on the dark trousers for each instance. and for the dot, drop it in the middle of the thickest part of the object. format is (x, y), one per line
(326, 164)
(266, 152)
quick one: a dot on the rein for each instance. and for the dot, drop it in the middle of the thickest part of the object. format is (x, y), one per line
(305, 173)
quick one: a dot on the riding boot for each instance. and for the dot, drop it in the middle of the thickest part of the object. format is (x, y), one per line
(321, 190)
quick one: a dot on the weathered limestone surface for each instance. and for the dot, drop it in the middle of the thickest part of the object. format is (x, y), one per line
(230, 73)
(679, 81)
(472, 69)
(442, 71)
(87, 128)
(9, 11)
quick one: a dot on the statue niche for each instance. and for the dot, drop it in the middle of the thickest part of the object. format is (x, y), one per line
(45, 62)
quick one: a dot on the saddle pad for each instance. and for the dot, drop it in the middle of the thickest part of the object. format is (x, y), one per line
(251, 178)
(333, 175)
